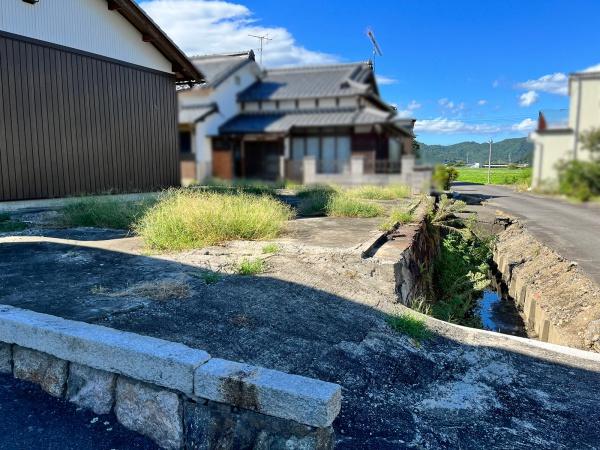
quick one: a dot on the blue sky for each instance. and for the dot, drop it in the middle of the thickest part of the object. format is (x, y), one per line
(466, 70)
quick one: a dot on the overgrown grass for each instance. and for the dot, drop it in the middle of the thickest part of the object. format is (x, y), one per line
(248, 186)
(270, 248)
(314, 199)
(251, 267)
(193, 219)
(389, 192)
(343, 205)
(7, 225)
(460, 274)
(335, 202)
(498, 175)
(410, 325)
(397, 216)
(105, 212)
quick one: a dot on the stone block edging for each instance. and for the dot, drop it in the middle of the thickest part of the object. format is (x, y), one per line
(93, 363)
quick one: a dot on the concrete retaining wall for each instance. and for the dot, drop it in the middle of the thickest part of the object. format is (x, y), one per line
(559, 303)
(403, 263)
(178, 396)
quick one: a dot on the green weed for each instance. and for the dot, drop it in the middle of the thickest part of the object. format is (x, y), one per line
(251, 267)
(270, 248)
(410, 325)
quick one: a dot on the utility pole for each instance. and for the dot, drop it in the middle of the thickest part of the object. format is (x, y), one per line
(467, 158)
(262, 39)
(490, 163)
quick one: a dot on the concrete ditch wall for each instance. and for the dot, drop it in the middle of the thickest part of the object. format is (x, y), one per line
(178, 396)
(558, 302)
(404, 260)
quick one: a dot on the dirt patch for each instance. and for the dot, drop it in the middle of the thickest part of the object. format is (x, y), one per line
(550, 288)
(161, 290)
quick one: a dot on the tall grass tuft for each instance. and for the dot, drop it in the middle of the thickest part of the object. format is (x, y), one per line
(397, 216)
(193, 219)
(335, 202)
(343, 205)
(411, 325)
(104, 212)
(389, 192)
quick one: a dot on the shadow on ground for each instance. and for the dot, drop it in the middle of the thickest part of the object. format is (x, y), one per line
(460, 389)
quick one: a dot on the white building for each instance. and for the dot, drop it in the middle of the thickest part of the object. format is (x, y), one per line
(204, 108)
(558, 136)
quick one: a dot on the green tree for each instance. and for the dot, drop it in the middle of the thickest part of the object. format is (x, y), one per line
(590, 140)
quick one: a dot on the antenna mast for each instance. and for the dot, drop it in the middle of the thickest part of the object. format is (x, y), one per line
(376, 48)
(262, 39)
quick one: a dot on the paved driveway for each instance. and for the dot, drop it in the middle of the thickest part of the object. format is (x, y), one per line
(572, 230)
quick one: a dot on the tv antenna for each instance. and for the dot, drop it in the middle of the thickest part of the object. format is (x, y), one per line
(376, 48)
(263, 40)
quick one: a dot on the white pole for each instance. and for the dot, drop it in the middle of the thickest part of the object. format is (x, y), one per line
(490, 163)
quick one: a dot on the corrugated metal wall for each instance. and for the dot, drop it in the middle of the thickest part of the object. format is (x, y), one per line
(73, 124)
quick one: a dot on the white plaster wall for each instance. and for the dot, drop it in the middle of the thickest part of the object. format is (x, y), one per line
(549, 150)
(327, 103)
(306, 104)
(85, 25)
(287, 105)
(586, 108)
(346, 102)
(251, 106)
(269, 106)
(225, 96)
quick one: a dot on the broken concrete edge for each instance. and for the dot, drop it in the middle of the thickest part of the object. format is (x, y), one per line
(378, 237)
(170, 365)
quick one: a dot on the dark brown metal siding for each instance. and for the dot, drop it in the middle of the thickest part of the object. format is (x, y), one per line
(74, 124)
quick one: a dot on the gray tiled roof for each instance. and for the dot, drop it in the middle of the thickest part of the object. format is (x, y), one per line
(282, 122)
(312, 82)
(196, 113)
(217, 68)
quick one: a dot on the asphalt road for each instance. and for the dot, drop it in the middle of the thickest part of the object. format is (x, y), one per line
(572, 230)
(32, 419)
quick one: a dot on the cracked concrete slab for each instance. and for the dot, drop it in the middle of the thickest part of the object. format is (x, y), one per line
(320, 314)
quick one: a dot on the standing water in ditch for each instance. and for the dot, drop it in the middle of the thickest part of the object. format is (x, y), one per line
(497, 311)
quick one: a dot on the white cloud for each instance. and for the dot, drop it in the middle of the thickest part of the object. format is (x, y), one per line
(383, 80)
(443, 125)
(555, 83)
(528, 98)
(595, 68)
(446, 103)
(451, 106)
(203, 27)
(525, 125)
(409, 110)
(482, 102)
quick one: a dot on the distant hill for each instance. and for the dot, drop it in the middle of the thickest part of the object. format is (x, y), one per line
(519, 149)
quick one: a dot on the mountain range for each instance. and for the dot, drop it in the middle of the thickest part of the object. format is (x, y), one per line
(515, 150)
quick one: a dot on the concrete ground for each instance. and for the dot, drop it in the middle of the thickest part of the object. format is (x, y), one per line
(318, 311)
(572, 230)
